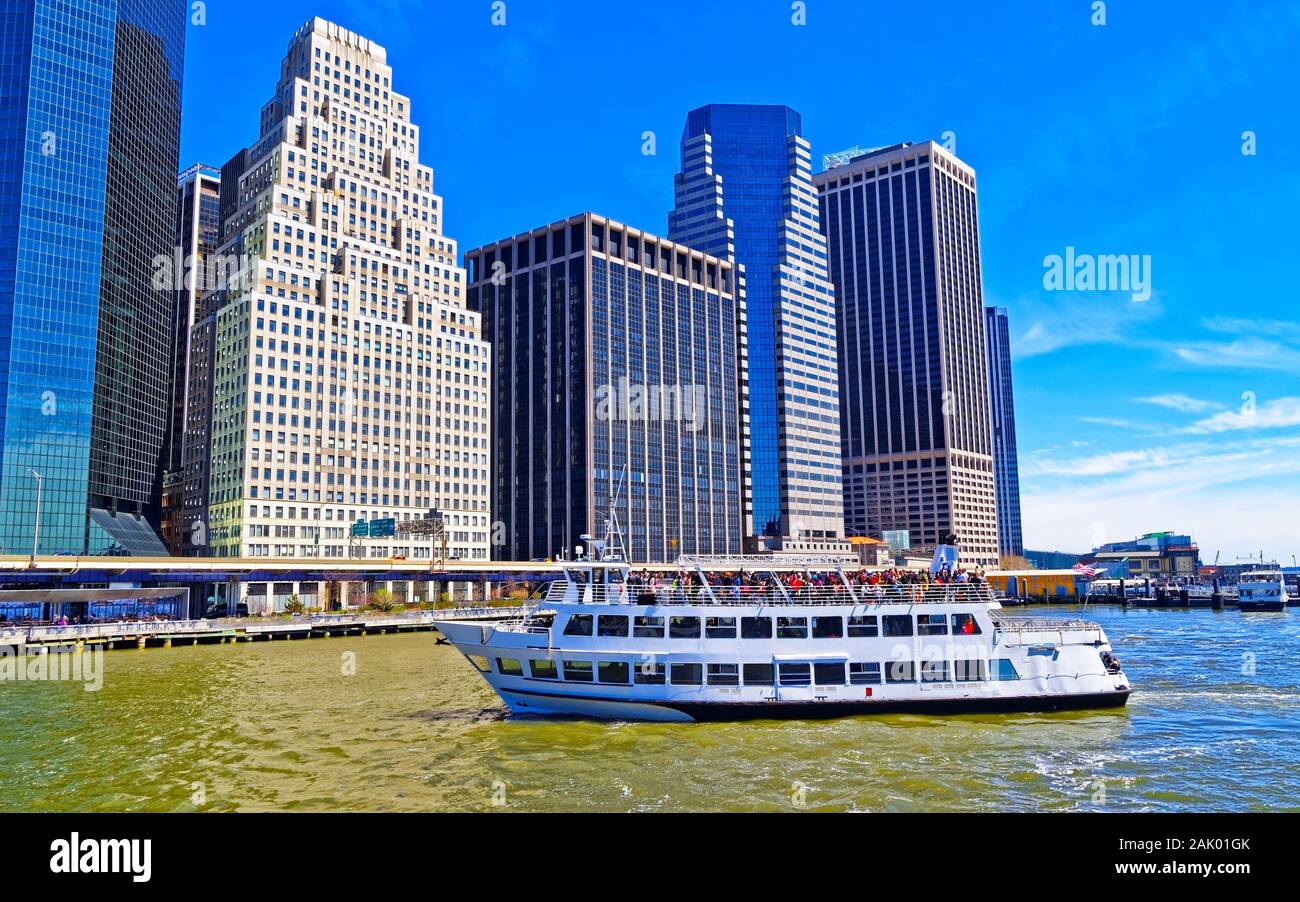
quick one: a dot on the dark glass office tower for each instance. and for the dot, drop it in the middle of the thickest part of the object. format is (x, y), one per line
(902, 229)
(90, 96)
(1006, 467)
(616, 371)
(745, 193)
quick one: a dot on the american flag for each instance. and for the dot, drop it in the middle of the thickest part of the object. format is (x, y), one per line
(1084, 570)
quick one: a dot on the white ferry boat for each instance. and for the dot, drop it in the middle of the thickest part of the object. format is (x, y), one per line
(701, 649)
(1262, 590)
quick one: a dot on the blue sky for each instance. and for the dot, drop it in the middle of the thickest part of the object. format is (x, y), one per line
(1178, 412)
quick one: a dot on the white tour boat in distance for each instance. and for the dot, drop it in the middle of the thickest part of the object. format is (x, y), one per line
(1262, 590)
(705, 649)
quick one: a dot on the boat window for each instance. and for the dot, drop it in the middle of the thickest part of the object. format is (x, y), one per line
(544, 670)
(614, 575)
(612, 672)
(898, 624)
(792, 627)
(687, 674)
(829, 674)
(828, 628)
(577, 671)
(965, 625)
(900, 672)
(648, 673)
(796, 674)
(724, 674)
(973, 671)
(931, 625)
(934, 672)
(720, 627)
(758, 674)
(579, 577)
(480, 662)
(612, 625)
(683, 627)
(1004, 670)
(648, 627)
(863, 674)
(509, 667)
(863, 627)
(756, 627)
(578, 625)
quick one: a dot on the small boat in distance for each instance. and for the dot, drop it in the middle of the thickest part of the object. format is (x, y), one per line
(754, 637)
(1262, 590)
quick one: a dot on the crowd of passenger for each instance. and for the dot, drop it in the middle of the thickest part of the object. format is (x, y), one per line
(743, 583)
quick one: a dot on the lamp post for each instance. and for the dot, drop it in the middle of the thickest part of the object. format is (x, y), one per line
(36, 532)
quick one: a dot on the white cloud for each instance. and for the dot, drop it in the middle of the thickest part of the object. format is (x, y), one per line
(1181, 403)
(1237, 496)
(1241, 353)
(1275, 414)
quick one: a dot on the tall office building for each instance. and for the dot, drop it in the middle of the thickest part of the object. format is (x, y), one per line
(903, 234)
(348, 381)
(745, 193)
(618, 360)
(198, 235)
(1006, 467)
(90, 99)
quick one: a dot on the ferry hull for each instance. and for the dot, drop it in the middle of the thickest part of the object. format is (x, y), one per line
(547, 704)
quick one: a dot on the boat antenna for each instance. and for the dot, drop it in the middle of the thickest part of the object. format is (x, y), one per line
(613, 534)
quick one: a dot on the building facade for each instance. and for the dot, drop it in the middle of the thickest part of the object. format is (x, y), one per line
(745, 194)
(347, 378)
(619, 365)
(90, 99)
(903, 236)
(198, 235)
(1163, 555)
(1006, 464)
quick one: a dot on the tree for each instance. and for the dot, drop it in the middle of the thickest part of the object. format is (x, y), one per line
(381, 600)
(294, 605)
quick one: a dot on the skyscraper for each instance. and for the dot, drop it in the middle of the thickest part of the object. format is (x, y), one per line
(618, 359)
(1006, 468)
(903, 234)
(348, 379)
(745, 193)
(90, 98)
(198, 234)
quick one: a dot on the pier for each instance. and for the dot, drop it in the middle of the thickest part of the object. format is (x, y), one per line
(166, 634)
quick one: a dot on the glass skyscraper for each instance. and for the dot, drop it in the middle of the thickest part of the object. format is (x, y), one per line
(745, 193)
(1006, 467)
(90, 96)
(617, 364)
(902, 228)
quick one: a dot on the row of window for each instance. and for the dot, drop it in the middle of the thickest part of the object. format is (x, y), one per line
(824, 627)
(834, 673)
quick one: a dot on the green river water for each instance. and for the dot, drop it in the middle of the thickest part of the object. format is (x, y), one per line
(400, 723)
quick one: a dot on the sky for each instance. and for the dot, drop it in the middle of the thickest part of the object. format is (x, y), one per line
(1168, 134)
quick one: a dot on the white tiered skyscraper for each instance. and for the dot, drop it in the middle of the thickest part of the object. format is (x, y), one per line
(349, 379)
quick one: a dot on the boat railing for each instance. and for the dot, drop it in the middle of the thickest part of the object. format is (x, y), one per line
(770, 594)
(1041, 624)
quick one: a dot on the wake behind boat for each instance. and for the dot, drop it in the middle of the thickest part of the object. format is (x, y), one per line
(704, 647)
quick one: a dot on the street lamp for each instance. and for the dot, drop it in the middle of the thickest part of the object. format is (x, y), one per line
(36, 532)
